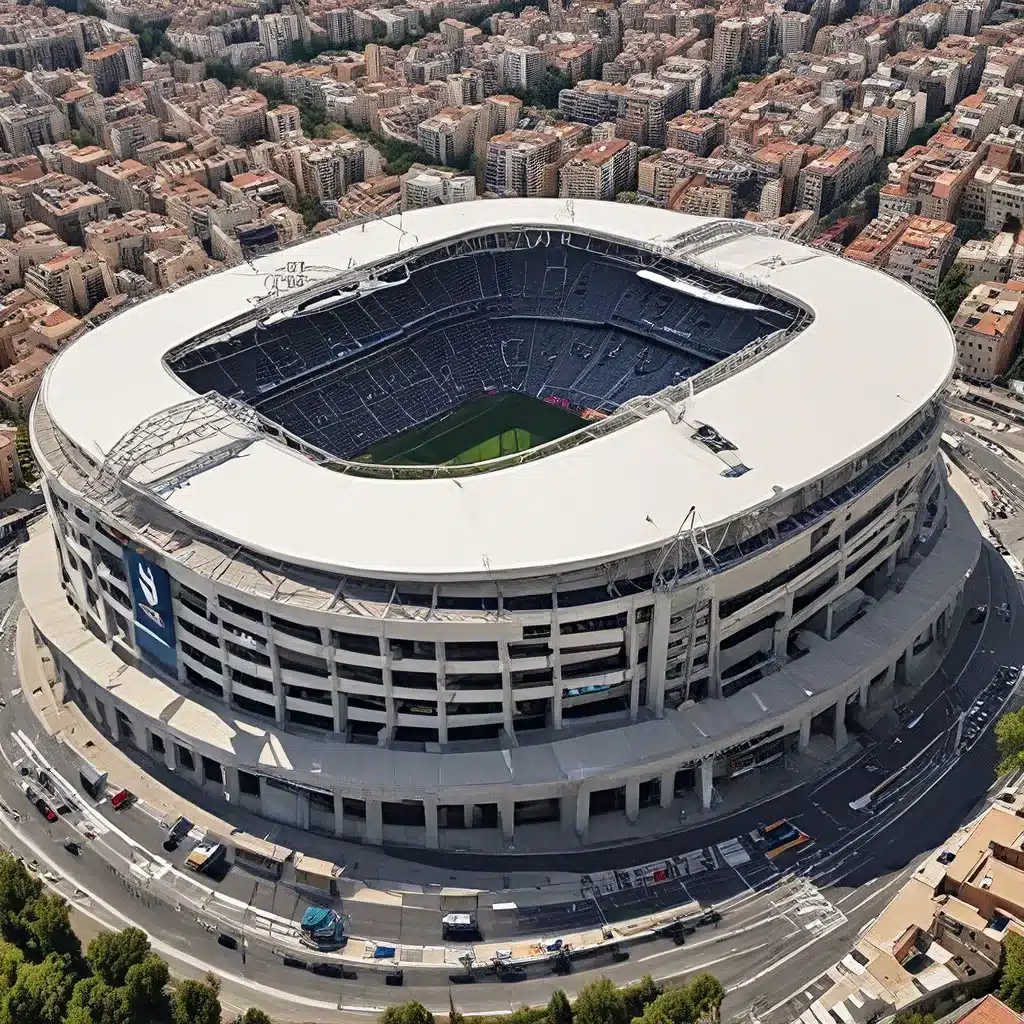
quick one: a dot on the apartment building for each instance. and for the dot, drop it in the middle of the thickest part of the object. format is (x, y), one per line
(24, 127)
(660, 173)
(877, 240)
(695, 132)
(239, 120)
(929, 181)
(73, 280)
(283, 122)
(130, 134)
(831, 179)
(984, 260)
(19, 383)
(126, 183)
(164, 268)
(523, 163)
(112, 65)
(522, 67)
(987, 328)
(448, 136)
(693, 75)
(730, 44)
(66, 205)
(428, 186)
(923, 253)
(598, 170)
(277, 34)
(641, 109)
(497, 115)
(697, 197)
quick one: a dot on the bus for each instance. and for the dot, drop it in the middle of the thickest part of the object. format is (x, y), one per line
(777, 838)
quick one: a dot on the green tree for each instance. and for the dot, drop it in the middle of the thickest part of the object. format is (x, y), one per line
(11, 959)
(407, 1013)
(914, 1018)
(195, 1002)
(1010, 741)
(675, 1006)
(144, 993)
(967, 230)
(1011, 979)
(48, 922)
(600, 1002)
(546, 89)
(38, 924)
(96, 1002)
(626, 197)
(112, 954)
(706, 993)
(953, 290)
(312, 210)
(42, 992)
(26, 460)
(254, 1015)
(640, 995)
(559, 1009)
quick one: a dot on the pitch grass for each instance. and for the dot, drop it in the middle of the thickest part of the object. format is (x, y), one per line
(485, 428)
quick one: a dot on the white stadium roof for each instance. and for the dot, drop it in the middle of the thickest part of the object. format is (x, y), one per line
(875, 353)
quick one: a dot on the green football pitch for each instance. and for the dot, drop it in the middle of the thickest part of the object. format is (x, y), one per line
(486, 428)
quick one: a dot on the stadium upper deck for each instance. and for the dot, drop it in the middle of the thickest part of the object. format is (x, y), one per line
(864, 366)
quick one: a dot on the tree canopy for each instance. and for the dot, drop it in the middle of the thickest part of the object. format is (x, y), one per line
(45, 979)
(1011, 981)
(954, 289)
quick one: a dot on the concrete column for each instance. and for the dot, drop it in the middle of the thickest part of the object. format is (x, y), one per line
(890, 675)
(657, 652)
(507, 817)
(339, 702)
(112, 723)
(714, 668)
(506, 690)
(339, 813)
(632, 799)
(862, 697)
(839, 726)
(302, 810)
(582, 812)
(805, 732)
(706, 782)
(275, 668)
(555, 643)
(567, 811)
(169, 757)
(668, 786)
(430, 820)
(467, 814)
(442, 692)
(374, 823)
(389, 693)
(632, 654)
(232, 792)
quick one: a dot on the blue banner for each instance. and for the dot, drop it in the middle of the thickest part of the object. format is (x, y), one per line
(154, 612)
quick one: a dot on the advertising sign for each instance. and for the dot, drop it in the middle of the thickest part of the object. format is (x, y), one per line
(154, 613)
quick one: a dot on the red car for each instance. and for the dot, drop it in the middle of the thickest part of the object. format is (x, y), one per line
(121, 799)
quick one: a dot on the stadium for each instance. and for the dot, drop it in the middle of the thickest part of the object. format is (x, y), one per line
(498, 515)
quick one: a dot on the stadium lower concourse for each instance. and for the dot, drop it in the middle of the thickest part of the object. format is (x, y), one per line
(499, 514)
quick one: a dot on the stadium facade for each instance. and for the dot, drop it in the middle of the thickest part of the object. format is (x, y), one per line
(749, 540)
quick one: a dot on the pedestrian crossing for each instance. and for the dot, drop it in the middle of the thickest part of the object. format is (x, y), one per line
(807, 909)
